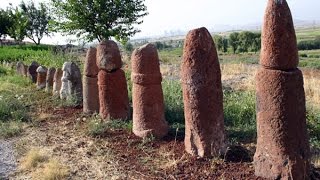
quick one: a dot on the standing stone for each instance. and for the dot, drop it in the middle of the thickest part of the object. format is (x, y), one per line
(147, 95)
(64, 91)
(41, 77)
(113, 92)
(202, 95)
(283, 150)
(90, 83)
(25, 70)
(57, 81)
(32, 71)
(72, 76)
(20, 68)
(49, 80)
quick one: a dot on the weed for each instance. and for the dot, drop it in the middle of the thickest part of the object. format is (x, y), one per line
(52, 170)
(10, 129)
(32, 159)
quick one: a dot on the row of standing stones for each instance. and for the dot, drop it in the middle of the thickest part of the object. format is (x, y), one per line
(282, 150)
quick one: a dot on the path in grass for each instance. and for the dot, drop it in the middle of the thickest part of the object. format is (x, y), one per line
(7, 158)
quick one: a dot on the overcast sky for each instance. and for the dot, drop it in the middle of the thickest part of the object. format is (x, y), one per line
(166, 15)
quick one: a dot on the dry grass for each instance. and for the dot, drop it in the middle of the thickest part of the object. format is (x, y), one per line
(52, 170)
(312, 86)
(32, 159)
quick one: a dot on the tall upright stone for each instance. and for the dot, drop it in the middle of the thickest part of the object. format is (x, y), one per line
(202, 95)
(90, 83)
(32, 71)
(147, 95)
(57, 81)
(49, 80)
(113, 92)
(283, 150)
(41, 77)
(20, 69)
(72, 76)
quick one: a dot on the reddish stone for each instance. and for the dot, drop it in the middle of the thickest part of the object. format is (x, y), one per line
(90, 95)
(147, 96)
(90, 65)
(202, 95)
(113, 95)
(57, 81)
(41, 77)
(279, 45)
(49, 81)
(108, 56)
(282, 145)
(32, 70)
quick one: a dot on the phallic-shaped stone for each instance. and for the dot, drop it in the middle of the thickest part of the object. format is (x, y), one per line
(90, 66)
(90, 83)
(108, 56)
(41, 77)
(147, 95)
(90, 95)
(113, 95)
(49, 80)
(73, 75)
(282, 145)
(20, 68)
(57, 81)
(202, 95)
(32, 70)
(279, 45)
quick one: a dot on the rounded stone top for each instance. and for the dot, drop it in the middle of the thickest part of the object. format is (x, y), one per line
(279, 45)
(200, 59)
(145, 60)
(71, 71)
(41, 69)
(90, 66)
(108, 56)
(34, 63)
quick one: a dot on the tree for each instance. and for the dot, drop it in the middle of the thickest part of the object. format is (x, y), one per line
(5, 23)
(218, 40)
(37, 20)
(128, 47)
(246, 38)
(234, 41)
(99, 19)
(225, 44)
(18, 29)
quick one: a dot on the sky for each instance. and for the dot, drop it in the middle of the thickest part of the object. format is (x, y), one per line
(174, 15)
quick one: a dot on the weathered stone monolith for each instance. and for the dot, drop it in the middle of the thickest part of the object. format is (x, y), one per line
(283, 150)
(32, 71)
(20, 68)
(202, 95)
(72, 75)
(49, 80)
(64, 90)
(41, 77)
(113, 92)
(57, 81)
(90, 83)
(147, 95)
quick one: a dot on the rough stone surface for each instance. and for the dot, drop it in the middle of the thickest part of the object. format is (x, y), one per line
(113, 95)
(279, 45)
(147, 95)
(202, 95)
(64, 90)
(90, 83)
(282, 145)
(57, 81)
(41, 77)
(90, 95)
(49, 80)
(73, 76)
(32, 70)
(108, 56)
(90, 66)
(25, 71)
(20, 68)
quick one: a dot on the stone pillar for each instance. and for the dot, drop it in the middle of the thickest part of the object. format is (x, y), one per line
(90, 83)
(283, 150)
(57, 81)
(49, 80)
(64, 91)
(41, 77)
(25, 71)
(202, 95)
(72, 76)
(113, 92)
(147, 95)
(20, 68)
(32, 71)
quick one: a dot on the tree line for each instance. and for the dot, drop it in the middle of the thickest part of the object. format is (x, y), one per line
(89, 20)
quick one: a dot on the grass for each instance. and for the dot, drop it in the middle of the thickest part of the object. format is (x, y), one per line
(32, 159)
